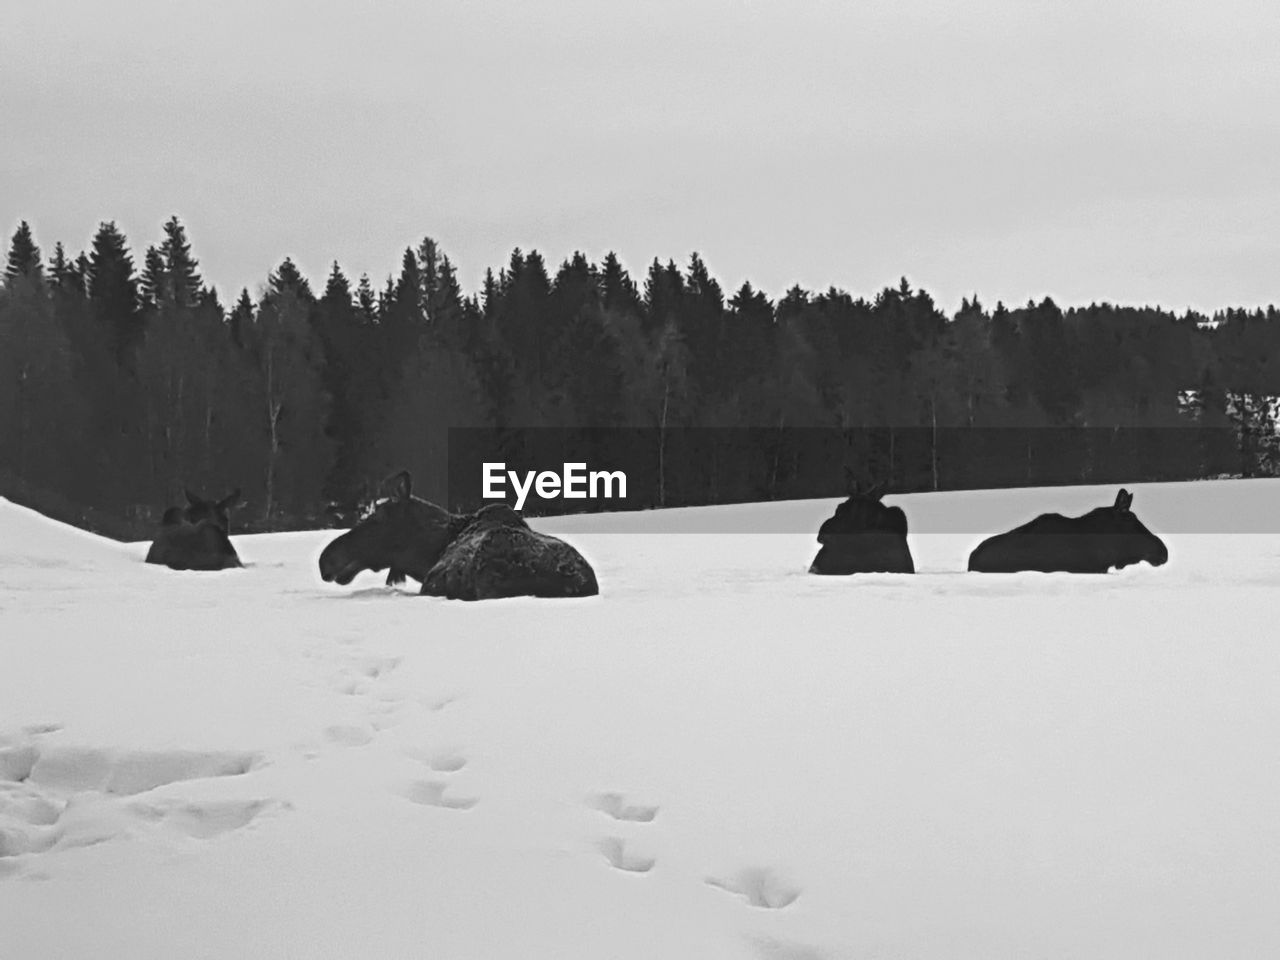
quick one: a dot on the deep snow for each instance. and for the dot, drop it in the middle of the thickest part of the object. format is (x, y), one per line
(719, 757)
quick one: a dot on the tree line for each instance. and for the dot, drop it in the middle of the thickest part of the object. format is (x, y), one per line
(122, 382)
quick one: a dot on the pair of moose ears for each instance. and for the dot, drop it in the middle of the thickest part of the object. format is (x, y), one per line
(1124, 500)
(228, 501)
(400, 485)
(873, 492)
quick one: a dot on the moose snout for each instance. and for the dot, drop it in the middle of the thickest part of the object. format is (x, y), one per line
(330, 563)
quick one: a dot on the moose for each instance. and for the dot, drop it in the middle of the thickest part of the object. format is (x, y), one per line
(864, 536)
(195, 537)
(485, 555)
(1101, 539)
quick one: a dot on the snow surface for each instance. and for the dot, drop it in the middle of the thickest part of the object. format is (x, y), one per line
(719, 757)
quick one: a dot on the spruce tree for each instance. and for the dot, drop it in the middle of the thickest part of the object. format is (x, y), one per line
(337, 290)
(24, 256)
(618, 291)
(113, 289)
(182, 269)
(240, 318)
(61, 270)
(153, 285)
(81, 271)
(288, 278)
(366, 302)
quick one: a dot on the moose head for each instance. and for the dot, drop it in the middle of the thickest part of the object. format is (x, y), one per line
(400, 531)
(200, 510)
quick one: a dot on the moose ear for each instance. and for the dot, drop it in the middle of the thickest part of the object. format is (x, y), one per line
(850, 479)
(403, 487)
(230, 500)
(876, 492)
(1124, 500)
(191, 497)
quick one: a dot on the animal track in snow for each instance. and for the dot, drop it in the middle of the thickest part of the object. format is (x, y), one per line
(17, 761)
(62, 797)
(349, 735)
(387, 720)
(205, 819)
(119, 772)
(447, 762)
(760, 886)
(379, 667)
(431, 793)
(616, 806)
(615, 851)
(438, 761)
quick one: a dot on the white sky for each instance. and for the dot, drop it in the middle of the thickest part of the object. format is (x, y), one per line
(1017, 148)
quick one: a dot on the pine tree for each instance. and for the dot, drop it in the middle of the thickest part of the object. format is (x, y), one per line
(154, 283)
(366, 302)
(428, 262)
(181, 268)
(446, 307)
(288, 278)
(291, 403)
(241, 317)
(348, 383)
(38, 402)
(113, 289)
(663, 295)
(61, 270)
(83, 269)
(702, 320)
(209, 299)
(337, 290)
(617, 290)
(24, 256)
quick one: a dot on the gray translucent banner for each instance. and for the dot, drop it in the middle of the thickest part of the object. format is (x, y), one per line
(948, 480)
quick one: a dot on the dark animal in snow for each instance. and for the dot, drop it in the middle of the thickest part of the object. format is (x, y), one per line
(472, 556)
(496, 554)
(864, 536)
(1095, 542)
(195, 537)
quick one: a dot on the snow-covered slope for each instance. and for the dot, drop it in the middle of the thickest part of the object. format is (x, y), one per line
(719, 757)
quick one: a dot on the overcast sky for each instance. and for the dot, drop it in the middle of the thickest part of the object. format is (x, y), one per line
(1078, 149)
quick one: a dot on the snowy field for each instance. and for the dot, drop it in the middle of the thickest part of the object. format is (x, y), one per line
(719, 757)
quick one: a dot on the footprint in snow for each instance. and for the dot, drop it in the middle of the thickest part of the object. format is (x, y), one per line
(348, 735)
(615, 851)
(760, 886)
(616, 806)
(380, 667)
(437, 761)
(431, 793)
(447, 762)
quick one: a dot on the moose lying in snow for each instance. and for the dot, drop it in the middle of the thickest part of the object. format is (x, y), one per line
(864, 536)
(1093, 543)
(472, 556)
(195, 537)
